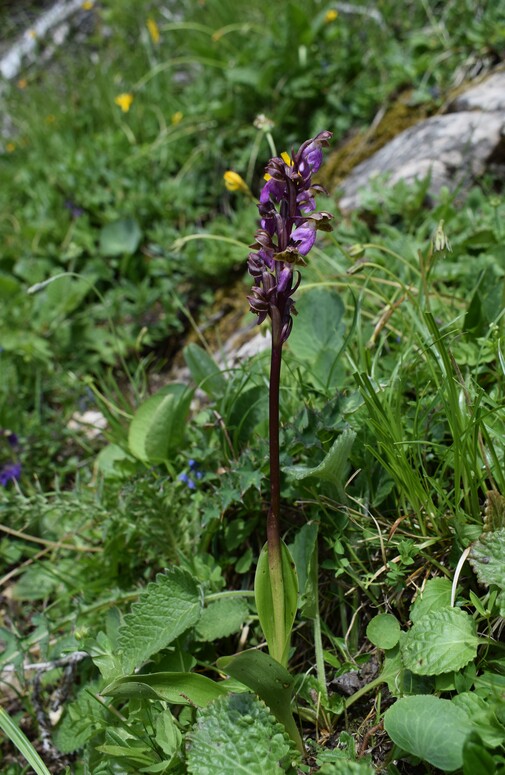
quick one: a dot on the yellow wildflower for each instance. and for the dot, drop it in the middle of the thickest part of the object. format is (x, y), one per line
(124, 101)
(87, 5)
(50, 119)
(330, 16)
(177, 117)
(22, 83)
(234, 182)
(154, 31)
(10, 147)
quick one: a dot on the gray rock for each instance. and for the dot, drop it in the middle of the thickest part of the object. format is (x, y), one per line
(487, 96)
(454, 148)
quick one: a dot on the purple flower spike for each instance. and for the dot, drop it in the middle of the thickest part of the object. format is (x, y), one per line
(288, 231)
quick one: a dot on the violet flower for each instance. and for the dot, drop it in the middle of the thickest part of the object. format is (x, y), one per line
(287, 233)
(10, 472)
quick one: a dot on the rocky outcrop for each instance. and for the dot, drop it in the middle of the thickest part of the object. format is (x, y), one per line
(454, 148)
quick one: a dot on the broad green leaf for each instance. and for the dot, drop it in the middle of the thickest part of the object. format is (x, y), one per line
(334, 466)
(176, 688)
(322, 311)
(158, 426)
(384, 631)
(439, 642)
(487, 558)
(204, 370)
(265, 602)
(269, 679)
(222, 618)
(237, 735)
(166, 608)
(430, 728)
(60, 297)
(435, 596)
(121, 237)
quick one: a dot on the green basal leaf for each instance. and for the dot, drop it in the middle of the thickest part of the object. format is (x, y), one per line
(435, 596)
(222, 618)
(121, 237)
(439, 642)
(176, 688)
(237, 735)
(384, 631)
(157, 428)
(430, 728)
(166, 608)
(269, 679)
(334, 466)
(487, 558)
(204, 370)
(265, 602)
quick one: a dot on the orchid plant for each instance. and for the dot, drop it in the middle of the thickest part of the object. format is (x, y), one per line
(287, 233)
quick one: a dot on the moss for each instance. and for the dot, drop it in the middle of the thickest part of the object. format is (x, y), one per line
(360, 146)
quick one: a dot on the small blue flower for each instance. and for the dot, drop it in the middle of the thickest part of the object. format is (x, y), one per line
(9, 473)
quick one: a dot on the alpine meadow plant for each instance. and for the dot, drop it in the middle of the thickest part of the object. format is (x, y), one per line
(289, 223)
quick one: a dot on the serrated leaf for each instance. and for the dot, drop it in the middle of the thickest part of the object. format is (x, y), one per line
(204, 370)
(430, 728)
(269, 679)
(384, 631)
(439, 642)
(266, 605)
(121, 237)
(167, 608)
(487, 558)
(435, 596)
(334, 466)
(81, 720)
(157, 428)
(176, 688)
(494, 511)
(237, 735)
(222, 618)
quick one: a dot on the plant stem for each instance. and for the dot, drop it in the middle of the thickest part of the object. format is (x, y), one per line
(273, 518)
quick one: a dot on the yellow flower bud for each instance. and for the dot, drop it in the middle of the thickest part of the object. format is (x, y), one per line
(330, 16)
(177, 117)
(234, 182)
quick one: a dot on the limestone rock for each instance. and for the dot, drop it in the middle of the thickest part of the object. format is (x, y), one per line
(455, 148)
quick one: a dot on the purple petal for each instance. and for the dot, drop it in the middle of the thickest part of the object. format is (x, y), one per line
(304, 236)
(273, 189)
